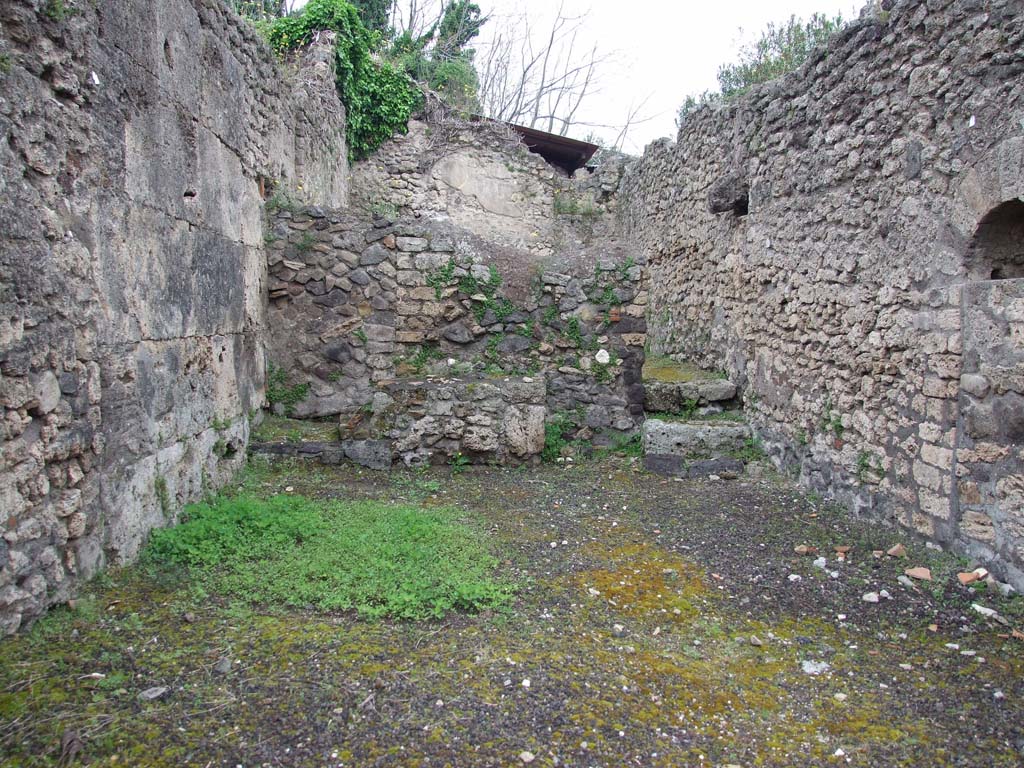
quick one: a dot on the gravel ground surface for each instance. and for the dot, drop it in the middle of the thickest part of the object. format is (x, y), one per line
(658, 623)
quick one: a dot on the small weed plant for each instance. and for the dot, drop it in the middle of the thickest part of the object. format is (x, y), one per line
(279, 392)
(423, 356)
(441, 278)
(305, 243)
(556, 431)
(459, 462)
(379, 560)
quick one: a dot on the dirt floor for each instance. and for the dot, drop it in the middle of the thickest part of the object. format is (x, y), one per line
(659, 623)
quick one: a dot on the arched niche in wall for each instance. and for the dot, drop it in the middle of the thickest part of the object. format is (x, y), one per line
(987, 464)
(996, 251)
(989, 467)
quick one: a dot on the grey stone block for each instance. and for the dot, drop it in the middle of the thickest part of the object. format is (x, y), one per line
(458, 333)
(375, 254)
(693, 439)
(373, 454)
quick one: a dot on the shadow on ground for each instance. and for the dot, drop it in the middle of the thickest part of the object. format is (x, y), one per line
(658, 623)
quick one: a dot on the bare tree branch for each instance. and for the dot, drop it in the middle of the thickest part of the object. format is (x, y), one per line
(539, 77)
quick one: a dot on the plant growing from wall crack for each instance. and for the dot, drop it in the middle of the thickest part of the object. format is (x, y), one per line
(280, 392)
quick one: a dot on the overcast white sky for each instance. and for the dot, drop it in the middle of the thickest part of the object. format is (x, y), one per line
(665, 50)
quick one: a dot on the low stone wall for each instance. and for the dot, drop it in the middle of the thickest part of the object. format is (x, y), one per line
(135, 140)
(820, 239)
(357, 303)
(473, 420)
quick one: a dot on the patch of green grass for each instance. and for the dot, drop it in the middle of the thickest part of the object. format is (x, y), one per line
(736, 416)
(415, 485)
(379, 560)
(459, 463)
(689, 413)
(567, 204)
(281, 201)
(57, 10)
(605, 372)
(441, 278)
(305, 243)
(631, 446)
(573, 332)
(425, 354)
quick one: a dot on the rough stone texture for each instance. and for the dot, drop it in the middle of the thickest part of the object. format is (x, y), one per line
(356, 303)
(880, 177)
(673, 397)
(373, 454)
(431, 421)
(669, 465)
(481, 178)
(989, 455)
(693, 439)
(136, 137)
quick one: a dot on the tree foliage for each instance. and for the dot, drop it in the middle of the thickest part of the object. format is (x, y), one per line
(781, 48)
(441, 57)
(378, 98)
(262, 10)
(375, 14)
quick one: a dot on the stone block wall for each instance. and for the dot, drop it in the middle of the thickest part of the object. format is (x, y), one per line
(990, 433)
(358, 303)
(817, 239)
(472, 419)
(482, 179)
(137, 138)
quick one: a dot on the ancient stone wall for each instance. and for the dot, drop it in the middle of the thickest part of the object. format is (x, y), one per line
(462, 254)
(357, 303)
(818, 239)
(471, 418)
(482, 179)
(137, 138)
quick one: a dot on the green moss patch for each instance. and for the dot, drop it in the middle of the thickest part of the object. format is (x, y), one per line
(667, 370)
(376, 559)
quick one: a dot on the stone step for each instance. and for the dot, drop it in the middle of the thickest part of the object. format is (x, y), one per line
(675, 397)
(695, 439)
(374, 454)
(724, 468)
(672, 386)
(696, 448)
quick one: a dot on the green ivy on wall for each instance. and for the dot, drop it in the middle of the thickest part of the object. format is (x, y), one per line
(378, 99)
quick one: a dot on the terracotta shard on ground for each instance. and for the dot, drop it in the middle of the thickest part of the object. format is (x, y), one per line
(921, 573)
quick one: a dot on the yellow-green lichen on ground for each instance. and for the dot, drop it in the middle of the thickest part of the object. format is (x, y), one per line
(630, 643)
